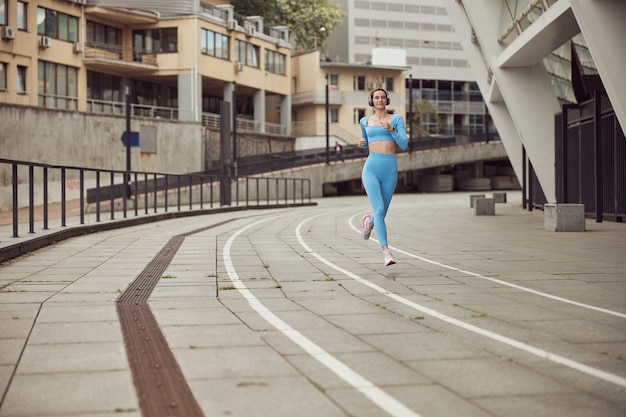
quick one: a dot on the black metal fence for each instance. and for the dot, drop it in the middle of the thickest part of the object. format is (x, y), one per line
(123, 194)
(591, 159)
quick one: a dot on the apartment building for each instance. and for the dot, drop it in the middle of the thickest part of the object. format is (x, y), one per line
(348, 87)
(174, 60)
(437, 68)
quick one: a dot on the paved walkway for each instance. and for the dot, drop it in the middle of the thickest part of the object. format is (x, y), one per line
(290, 312)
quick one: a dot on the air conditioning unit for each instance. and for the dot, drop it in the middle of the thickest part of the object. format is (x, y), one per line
(238, 66)
(8, 32)
(45, 42)
(79, 47)
(232, 24)
(250, 30)
(370, 86)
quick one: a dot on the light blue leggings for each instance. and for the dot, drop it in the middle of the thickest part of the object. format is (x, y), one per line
(379, 176)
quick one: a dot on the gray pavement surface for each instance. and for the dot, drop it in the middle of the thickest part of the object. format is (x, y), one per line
(289, 312)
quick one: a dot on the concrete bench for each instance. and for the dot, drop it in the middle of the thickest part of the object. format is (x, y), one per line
(484, 207)
(564, 217)
(499, 197)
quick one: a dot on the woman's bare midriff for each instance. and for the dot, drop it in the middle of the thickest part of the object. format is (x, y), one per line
(381, 146)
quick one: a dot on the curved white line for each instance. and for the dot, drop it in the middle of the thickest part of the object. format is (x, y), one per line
(614, 379)
(499, 281)
(389, 404)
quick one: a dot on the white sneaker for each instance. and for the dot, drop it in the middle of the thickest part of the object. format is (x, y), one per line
(366, 226)
(388, 257)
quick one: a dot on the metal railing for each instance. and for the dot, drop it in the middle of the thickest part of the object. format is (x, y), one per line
(133, 193)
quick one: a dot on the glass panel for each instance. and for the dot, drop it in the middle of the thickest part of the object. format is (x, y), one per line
(41, 21)
(3, 12)
(203, 41)
(61, 86)
(73, 29)
(50, 84)
(63, 27)
(170, 39)
(72, 75)
(21, 15)
(281, 60)
(218, 45)
(210, 43)
(51, 23)
(253, 56)
(21, 80)
(3, 76)
(225, 47)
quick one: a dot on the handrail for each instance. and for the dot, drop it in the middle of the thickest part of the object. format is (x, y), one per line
(125, 192)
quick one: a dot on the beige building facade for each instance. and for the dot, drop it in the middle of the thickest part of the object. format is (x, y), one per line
(175, 62)
(181, 61)
(349, 86)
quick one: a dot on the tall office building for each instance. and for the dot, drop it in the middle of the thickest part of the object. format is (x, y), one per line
(437, 68)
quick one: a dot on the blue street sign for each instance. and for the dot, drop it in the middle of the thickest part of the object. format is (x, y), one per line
(134, 139)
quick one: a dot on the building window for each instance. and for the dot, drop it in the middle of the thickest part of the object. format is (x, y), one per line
(155, 41)
(22, 16)
(21, 79)
(3, 76)
(274, 62)
(358, 115)
(333, 81)
(359, 82)
(57, 25)
(247, 53)
(215, 44)
(388, 83)
(105, 93)
(57, 86)
(4, 7)
(101, 35)
(334, 115)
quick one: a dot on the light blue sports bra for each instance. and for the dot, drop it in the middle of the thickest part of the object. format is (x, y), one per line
(376, 133)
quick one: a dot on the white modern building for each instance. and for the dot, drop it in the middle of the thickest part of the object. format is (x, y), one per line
(508, 44)
(438, 70)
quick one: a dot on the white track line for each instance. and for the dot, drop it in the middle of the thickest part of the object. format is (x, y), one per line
(499, 281)
(383, 400)
(597, 373)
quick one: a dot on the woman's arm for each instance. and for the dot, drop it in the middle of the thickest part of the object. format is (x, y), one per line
(399, 132)
(363, 142)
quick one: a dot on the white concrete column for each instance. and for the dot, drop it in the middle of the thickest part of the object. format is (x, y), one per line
(285, 113)
(521, 100)
(603, 27)
(259, 110)
(190, 104)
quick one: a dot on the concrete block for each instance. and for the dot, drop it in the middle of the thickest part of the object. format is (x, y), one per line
(474, 197)
(499, 197)
(484, 207)
(564, 217)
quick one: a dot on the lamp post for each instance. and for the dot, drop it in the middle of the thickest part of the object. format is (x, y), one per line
(410, 112)
(128, 129)
(127, 175)
(327, 124)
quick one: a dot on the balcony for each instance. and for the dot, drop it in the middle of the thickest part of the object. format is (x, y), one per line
(108, 56)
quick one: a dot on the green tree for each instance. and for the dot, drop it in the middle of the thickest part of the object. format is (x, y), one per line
(304, 18)
(266, 8)
(425, 112)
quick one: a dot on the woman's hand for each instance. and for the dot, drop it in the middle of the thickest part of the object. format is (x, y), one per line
(361, 143)
(387, 126)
